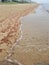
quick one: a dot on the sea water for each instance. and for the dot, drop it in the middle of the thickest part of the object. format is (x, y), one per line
(46, 6)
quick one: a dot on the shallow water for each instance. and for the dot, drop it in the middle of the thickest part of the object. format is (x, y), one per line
(42, 9)
(35, 29)
(46, 6)
(37, 26)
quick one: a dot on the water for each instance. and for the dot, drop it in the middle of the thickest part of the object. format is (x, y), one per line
(46, 6)
(43, 9)
(37, 26)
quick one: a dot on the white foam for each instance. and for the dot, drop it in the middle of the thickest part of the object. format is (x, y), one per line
(11, 49)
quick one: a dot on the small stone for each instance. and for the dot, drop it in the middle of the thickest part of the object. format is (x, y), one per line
(46, 43)
(0, 50)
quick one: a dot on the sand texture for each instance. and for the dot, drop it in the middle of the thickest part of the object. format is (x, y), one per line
(10, 25)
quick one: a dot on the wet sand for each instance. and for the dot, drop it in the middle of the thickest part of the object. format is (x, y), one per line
(34, 46)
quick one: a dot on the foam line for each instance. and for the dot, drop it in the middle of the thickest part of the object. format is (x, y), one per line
(10, 53)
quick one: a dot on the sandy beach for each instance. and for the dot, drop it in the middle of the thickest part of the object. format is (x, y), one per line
(33, 48)
(14, 12)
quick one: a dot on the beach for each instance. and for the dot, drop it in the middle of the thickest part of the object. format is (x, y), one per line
(33, 48)
(14, 13)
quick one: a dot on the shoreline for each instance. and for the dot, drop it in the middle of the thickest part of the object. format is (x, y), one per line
(26, 11)
(34, 46)
(8, 57)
